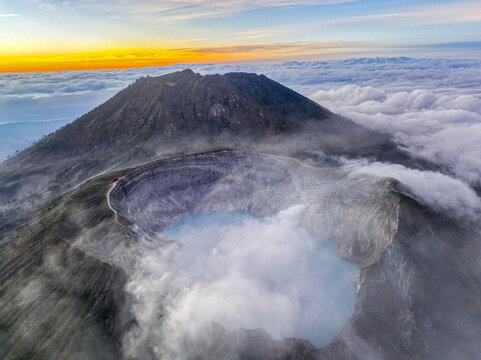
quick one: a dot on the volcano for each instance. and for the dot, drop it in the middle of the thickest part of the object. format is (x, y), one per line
(85, 207)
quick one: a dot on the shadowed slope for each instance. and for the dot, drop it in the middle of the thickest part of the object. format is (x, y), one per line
(56, 301)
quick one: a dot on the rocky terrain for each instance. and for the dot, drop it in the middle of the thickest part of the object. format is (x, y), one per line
(66, 264)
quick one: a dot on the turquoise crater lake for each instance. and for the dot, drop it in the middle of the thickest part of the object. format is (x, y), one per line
(269, 273)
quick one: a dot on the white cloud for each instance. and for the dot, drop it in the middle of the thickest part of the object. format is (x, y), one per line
(181, 10)
(446, 194)
(240, 272)
(421, 14)
(431, 107)
(444, 128)
(350, 95)
(49, 4)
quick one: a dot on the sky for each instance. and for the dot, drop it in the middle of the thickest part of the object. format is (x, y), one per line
(39, 35)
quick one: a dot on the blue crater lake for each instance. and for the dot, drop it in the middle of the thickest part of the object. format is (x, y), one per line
(264, 273)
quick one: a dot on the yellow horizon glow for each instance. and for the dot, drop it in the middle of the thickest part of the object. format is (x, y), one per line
(111, 59)
(131, 58)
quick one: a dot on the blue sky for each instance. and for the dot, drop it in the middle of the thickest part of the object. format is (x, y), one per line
(54, 34)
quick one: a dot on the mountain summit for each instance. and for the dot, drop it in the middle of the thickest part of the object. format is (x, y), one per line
(185, 103)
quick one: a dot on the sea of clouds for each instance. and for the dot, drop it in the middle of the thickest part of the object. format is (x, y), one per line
(431, 107)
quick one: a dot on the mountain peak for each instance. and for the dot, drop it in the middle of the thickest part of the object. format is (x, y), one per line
(187, 71)
(184, 102)
(176, 76)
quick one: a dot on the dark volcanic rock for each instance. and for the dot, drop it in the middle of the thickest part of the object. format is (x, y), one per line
(184, 102)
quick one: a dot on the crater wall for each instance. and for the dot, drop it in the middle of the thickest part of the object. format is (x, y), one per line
(358, 213)
(418, 280)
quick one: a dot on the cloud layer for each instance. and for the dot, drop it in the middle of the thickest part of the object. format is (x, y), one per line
(431, 107)
(444, 128)
(445, 194)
